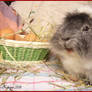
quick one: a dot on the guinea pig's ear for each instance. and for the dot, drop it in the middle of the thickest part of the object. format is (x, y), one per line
(85, 28)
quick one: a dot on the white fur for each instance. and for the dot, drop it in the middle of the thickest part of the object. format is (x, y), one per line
(74, 64)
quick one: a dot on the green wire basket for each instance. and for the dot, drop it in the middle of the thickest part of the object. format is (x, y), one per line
(12, 50)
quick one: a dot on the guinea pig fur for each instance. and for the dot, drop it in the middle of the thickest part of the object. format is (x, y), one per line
(72, 41)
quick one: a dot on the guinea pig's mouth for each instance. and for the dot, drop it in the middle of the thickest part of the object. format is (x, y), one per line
(68, 49)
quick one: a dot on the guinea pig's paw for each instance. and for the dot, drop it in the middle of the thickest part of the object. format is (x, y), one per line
(74, 78)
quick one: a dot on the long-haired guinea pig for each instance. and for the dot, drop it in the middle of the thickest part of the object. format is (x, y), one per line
(73, 43)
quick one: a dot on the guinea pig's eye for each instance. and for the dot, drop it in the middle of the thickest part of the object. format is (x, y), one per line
(85, 28)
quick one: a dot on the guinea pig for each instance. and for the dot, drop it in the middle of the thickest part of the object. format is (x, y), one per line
(72, 42)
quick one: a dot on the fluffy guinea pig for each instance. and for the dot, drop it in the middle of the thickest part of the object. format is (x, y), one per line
(72, 42)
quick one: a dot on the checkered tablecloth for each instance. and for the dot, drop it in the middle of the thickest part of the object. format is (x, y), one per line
(43, 80)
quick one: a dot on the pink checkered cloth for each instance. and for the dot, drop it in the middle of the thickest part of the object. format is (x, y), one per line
(9, 18)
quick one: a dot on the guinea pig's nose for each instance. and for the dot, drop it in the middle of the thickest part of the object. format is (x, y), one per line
(66, 38)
